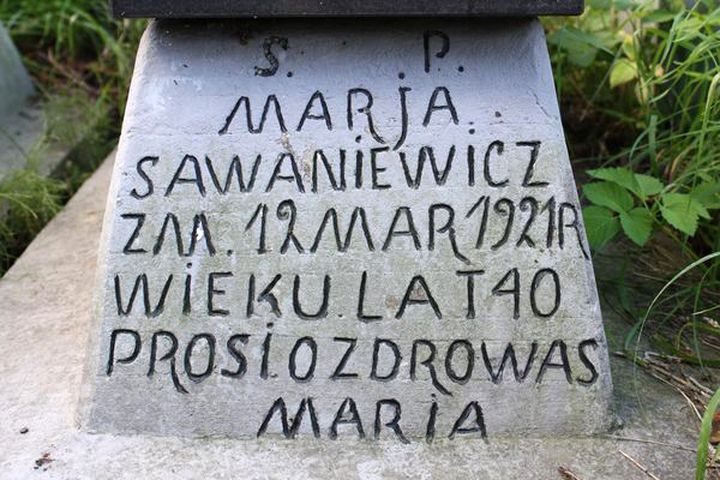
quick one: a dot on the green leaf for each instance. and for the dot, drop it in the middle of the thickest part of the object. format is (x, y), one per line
(707, 194)
(637, 225)
(622, 72)
(682, 212)
(659, 16)
(623, 4)
(581, 47)
(599, 4)
(648, 185)
(610, 195)
(601, 225)
(620, 175)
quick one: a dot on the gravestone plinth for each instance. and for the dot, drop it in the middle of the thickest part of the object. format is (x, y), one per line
(345, 229)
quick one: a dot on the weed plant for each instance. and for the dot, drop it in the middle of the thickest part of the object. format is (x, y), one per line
(641, 96)
(81, 60)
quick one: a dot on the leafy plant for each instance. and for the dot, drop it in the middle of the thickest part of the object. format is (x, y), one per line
(637, 204)
(649, 79)
(27, 202)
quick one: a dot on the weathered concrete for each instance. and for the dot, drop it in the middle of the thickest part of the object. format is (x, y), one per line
(45, 317)
(445, 242)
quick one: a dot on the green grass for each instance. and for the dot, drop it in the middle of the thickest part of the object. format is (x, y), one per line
(81, 60)
(640, 89)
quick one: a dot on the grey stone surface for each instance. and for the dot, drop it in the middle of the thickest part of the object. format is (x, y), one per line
(44, 323)
(466, 245)
(15, 83)
(22, 122)
(341, 8)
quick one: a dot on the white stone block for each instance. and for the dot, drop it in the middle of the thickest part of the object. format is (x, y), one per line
(466, 244)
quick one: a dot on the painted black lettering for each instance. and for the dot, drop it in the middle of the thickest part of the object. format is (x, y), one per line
(307, 115)
(129, 358)
(508, 356)
(212, 309)
(411, 231)
(210, 341)
(348, 407)
(169, 356)
(548, 363)
(530, 170)
(286, 210)
(394, 423)
(499, 147)
(150, 188)
(265, 296)
(376, 170)
(139, 222)
(506, 208)
(290, 430)
(575, 225)
(444, 49)
(537, 280)
(234, 350)
(196, 179)
(485, 202)
(433, 106)
(584, 345)
(525, 204)
(278, 175)
(309, 342)
(339, 370)
(336, 185)
(418, 293)
(479, 422)
(463, 378)
(470, 275)
(141, 283)
(498, 290)
(270, 56)
(448, 228)
(271, 99)
(397, 358)
(365, 109)
(427, 363)
(321, 311)
(234, 170)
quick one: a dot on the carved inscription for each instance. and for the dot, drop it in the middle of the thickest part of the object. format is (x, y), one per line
(352, 261)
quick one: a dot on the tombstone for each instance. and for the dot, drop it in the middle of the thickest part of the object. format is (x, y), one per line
(346, 228)
(20, 122)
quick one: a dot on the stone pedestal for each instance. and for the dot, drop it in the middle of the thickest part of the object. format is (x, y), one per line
(345, 229)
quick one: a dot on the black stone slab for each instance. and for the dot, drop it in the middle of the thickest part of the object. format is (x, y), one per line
(341, 8)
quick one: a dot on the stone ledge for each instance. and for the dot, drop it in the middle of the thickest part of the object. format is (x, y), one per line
(44, 324)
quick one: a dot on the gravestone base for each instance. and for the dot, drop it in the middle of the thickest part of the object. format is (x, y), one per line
(44, 323)
(345, 229)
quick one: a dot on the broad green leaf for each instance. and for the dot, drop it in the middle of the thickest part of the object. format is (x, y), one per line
(648, 185)
(628, 48)
(637, 225)
(620, 175)
(622, 72)
(682, 212)
(610, 195)
(581, 47)
(686, 202)
(601, 225)
(707, 194)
